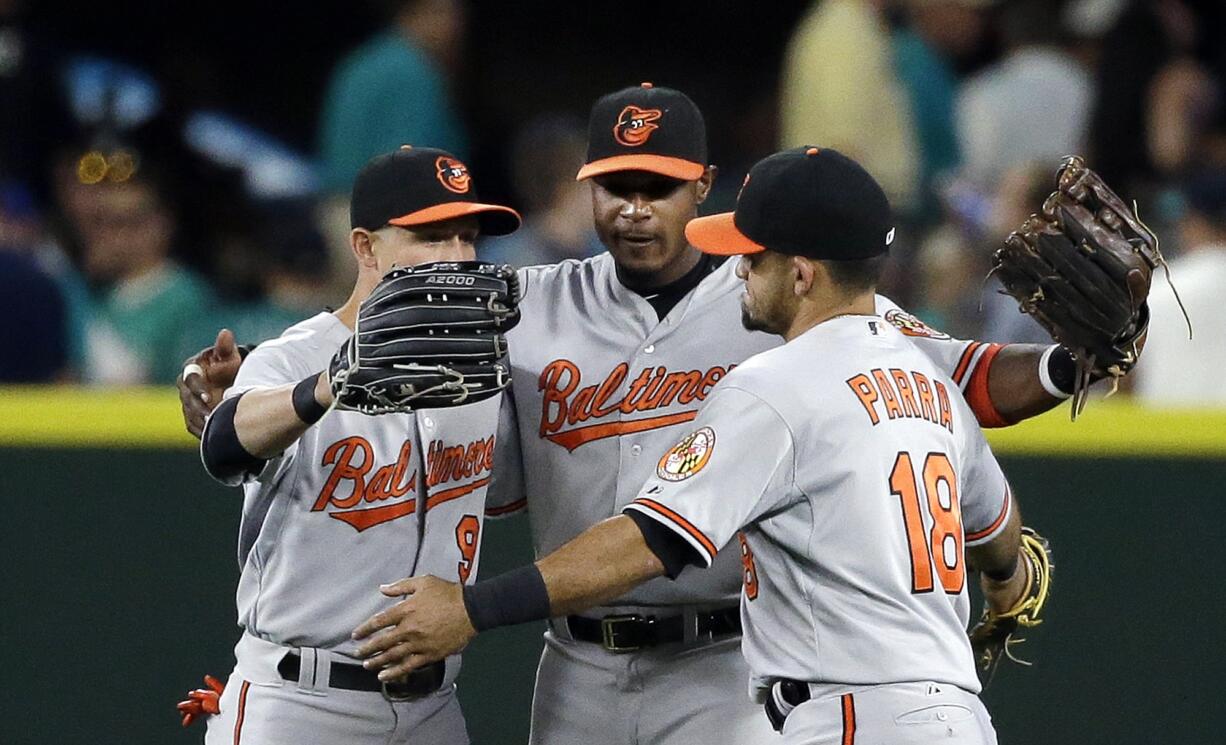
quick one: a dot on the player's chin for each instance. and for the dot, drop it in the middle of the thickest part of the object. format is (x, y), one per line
(752, 322)
(755, 318)
(642, 256)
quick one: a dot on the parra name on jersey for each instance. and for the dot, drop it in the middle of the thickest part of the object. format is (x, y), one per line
(891, 393)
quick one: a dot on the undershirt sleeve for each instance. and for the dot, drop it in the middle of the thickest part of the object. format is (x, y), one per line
(673, 551)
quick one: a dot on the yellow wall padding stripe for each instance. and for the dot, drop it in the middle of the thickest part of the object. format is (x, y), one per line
(70, 416)
(63, 416)
(1117, 429)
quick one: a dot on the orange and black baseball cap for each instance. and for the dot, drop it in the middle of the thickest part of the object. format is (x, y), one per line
(645, 128)
(808, 201)
(420, 185)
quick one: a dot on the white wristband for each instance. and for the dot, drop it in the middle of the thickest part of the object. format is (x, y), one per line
(1045, 375)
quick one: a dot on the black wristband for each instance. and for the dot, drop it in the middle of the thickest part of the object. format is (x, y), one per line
(518, 596)
(1004, 575)
(1062, 370)
(305, 406)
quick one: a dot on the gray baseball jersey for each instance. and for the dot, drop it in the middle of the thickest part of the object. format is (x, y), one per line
(600, 389)
(356, 502)
(853, 485)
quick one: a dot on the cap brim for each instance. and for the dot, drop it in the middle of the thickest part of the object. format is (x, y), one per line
(493, 218)
(718, 235)
(686, 170)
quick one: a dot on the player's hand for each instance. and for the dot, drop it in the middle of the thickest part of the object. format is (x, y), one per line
(425, 627)
(200, 393)
(202, 701)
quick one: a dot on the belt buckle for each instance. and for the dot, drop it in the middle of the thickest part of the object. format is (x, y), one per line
(609, 631)
(397, 697)
(418, 684)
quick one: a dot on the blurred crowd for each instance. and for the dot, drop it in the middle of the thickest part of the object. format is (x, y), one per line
(130, 234)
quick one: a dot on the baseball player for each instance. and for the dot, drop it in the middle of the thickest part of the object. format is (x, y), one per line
(334, 506)
(611, 362)
(851, 488)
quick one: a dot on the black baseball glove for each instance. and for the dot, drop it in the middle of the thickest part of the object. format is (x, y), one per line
(429, 336)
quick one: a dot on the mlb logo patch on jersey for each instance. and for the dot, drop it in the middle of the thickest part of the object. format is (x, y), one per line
(687, 457)
(909, 325)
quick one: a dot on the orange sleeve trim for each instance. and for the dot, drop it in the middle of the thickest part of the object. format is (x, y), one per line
(680, 522)
(965, 361)
(977, 394)
(242, 711)
(507, 509)
(1000, 519)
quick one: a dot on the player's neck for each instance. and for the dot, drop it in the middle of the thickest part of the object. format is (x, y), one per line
(348, 313)
(814, 311)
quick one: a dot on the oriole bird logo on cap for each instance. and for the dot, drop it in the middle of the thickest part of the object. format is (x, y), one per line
(453, 175)
(635, 125)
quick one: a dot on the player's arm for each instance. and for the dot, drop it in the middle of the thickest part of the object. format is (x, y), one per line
(1002, 572)
(267, 421)
(1025, 380)
(1014, 562)
(1003, 383)
(248, 429)
(992, 522)
(602, 563)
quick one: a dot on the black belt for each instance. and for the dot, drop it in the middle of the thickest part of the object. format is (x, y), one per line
(630, 632)
(420, 682)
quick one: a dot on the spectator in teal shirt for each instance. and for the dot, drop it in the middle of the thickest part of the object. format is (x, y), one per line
(142, 301)
(393, 90)
(936, 35)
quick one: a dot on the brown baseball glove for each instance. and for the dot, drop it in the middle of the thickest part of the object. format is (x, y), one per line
(1082, 269)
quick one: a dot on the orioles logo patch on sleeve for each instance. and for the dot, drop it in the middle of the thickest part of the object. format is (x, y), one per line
(687, 457)
(909, 325)
(453, 175)
(635, 125)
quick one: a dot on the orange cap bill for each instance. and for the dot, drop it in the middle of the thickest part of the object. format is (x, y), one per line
(664, 165)
(718, 235)
(508, 219)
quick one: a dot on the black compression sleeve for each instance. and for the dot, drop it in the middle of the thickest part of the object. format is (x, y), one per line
(518, 596)
(224, 456)
(673, 551)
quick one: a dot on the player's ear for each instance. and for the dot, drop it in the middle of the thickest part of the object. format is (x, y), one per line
(803, 275)
(704, 183)
(361, 242)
